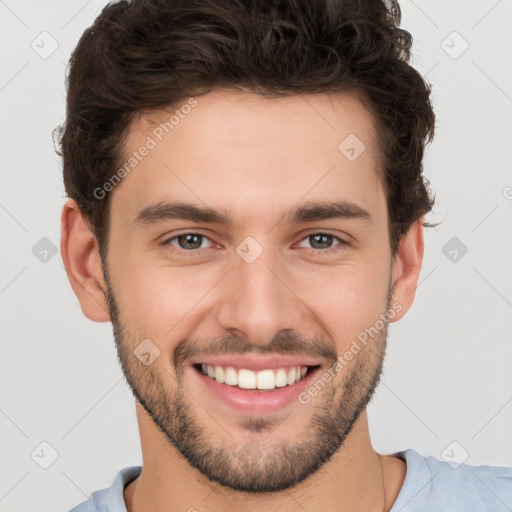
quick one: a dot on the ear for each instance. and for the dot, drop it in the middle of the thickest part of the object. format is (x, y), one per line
(407, 267)
(81, 257)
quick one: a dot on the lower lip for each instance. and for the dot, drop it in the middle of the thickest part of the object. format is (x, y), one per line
(256, 401)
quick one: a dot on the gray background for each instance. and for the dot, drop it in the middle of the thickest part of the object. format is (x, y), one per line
(447, 384)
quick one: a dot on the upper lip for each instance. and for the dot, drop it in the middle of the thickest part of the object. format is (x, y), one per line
(257, 363)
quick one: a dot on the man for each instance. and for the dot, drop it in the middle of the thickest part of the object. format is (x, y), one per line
(247, 207)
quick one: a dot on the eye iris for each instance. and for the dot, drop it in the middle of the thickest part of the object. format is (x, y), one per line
(322, 239)
(190, 241)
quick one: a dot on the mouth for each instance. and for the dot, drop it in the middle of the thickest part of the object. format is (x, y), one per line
(249, 380)
(254, 391)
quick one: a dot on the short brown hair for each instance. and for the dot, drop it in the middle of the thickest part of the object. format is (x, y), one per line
(148, 54)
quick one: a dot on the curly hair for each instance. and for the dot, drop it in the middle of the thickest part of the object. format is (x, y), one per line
(141, 55)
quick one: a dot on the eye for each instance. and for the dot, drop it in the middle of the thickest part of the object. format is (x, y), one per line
(319, 242)
(323, 241)
(188, 241)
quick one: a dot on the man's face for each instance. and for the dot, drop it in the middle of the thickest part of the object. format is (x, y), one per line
(266, 285)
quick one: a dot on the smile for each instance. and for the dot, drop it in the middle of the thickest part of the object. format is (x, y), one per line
(244, 378)
(253, 392)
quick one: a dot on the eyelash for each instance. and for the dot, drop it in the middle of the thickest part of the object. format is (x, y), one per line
(340, 246)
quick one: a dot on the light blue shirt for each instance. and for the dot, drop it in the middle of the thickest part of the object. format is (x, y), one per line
(430, 485)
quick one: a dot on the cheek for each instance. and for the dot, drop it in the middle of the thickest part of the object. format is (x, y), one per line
(348, 299)
(154, 298)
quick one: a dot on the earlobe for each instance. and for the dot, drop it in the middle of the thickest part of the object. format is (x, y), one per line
(407, 268)
(82, 262)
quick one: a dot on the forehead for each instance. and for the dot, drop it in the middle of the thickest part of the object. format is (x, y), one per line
(243, 150)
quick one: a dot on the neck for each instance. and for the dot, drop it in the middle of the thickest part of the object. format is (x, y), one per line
(356, 479)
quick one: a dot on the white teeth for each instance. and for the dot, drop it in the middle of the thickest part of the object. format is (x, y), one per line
(265, 379)
(230, 376)
(247, 379)
(219, 374)
(291, 376)
(280, 378)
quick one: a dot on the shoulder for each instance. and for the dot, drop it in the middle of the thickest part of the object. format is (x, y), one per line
(484, 487)
(432, 484)
(110, 499)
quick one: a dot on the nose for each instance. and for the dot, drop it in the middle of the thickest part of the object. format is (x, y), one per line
(258, 300)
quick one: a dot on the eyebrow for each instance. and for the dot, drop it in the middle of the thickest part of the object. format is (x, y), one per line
(307, 212)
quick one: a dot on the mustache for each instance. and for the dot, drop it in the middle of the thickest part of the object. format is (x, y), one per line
(285, 342)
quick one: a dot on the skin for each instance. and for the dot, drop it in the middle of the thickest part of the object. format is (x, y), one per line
(257, 158)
